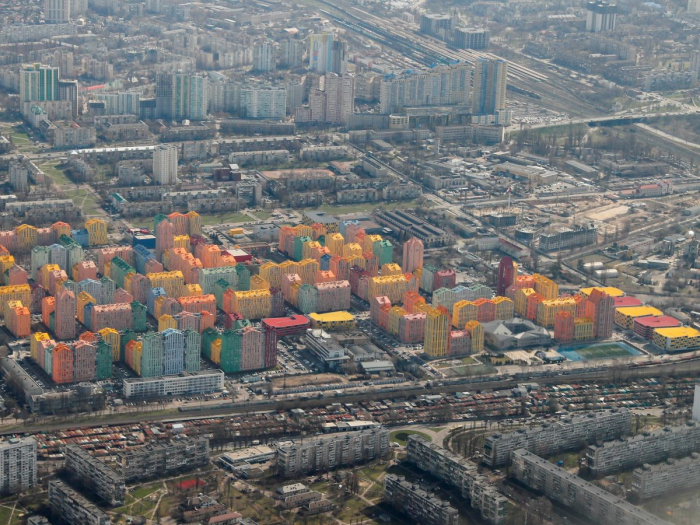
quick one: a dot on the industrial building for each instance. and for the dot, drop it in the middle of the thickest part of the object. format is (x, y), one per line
(296, 458)
(461, 473)
(72, 507)
(651, 447)
(409, 224)
(17, 465)
(417, 503)
(569, 238)
(326, 349)
(163, 459)
(597, 504)
(568, 433)
(186, 383)
(95, 474)
(673, 475)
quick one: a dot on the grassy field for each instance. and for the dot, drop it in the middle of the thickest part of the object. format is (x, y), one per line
(58, 176)
(85, 200)
(401, 436)
(339, 209)
(224, 218)
(19, 138)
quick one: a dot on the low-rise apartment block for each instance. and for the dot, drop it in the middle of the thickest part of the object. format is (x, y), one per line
(296, 458)
(569, 433)
(95, 474)
(651, 447)
(417, 503)
(163, 458)
(597, 504)
(72, 507)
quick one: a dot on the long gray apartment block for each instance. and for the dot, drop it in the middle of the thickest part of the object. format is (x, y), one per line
(649, 447)
(596, 504)
(568, 433)
(417, 503)
(649, 481)
(460, 473)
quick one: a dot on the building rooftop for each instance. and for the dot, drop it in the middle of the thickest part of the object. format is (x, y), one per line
(320, 217)
(663, 321)
(627, 301)
(331, 317)
(678, 331)
(286, 322)
(640, 311)
(610, 290)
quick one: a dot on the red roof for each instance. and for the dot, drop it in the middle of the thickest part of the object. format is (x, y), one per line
(622, 302)
(663, 321)
(287, 322)
(224, 517)
(649, 186)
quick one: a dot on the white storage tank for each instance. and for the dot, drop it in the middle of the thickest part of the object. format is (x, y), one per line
(590, 266)
(610, 273)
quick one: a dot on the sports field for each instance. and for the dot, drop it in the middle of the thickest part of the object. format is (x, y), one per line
(598, 351)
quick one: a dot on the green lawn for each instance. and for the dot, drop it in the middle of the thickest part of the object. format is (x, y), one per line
(85, 200)
(59, 177)
(401, 436)
(20, 139)
(224, 218)
(372, 472)
(142, 492)
(262, 215)
(339, 209)
(5, 513)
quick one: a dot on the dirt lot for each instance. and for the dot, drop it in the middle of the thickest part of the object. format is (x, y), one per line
(607, 212)
(304, 380)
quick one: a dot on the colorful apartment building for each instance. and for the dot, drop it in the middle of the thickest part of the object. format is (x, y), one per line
(113, 338)
(546, 287)
(476, 335)
(253, 304)
(116, 316)
(412, 328)
(97, 232)
(171, 282)
(413, 251)
(105, 255)
(340, 266)
(335, 243)
(437, 330)
(64, 326)
(84, 270)
(392, 286)
(21, 292)
(198, 304)
(600, 307)
(584, 329)
(548, 309)
(564, 327)
(19, 320)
